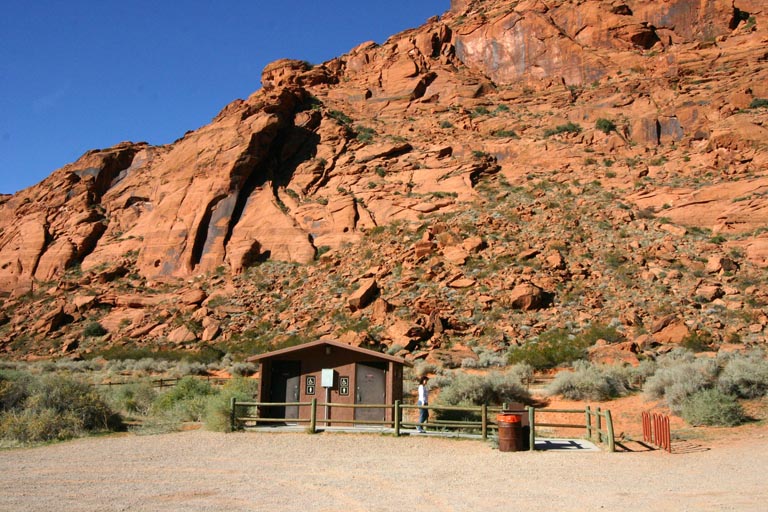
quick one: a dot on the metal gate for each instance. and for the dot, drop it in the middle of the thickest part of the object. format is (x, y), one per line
(371, 388)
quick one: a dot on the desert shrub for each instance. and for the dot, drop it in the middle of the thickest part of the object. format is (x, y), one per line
(698, 341)
(744, 376)
(758, 103)
(342, 118)
(521, 372)
(217, 410)
(365, 134)
(569, 127)
(488, 358)
(591, 382)
(678, 377)
(14, 389)
(242, 369)
(51, 407)
(146, 365)
(67, 365)
(94, 329)
(553, 348)
(421, 368)
(135, 398)
(505, 134)
(493, 388)
(600, 331)
(712, 407)
(35, 426)
(186, 401)
(185, 368)
(605, 125)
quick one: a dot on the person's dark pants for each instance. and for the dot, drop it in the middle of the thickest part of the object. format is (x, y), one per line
(423, 416)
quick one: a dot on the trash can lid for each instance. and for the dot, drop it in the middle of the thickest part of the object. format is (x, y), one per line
(508, 417)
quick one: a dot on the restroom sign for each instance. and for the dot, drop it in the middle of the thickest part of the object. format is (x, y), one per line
(310, 382)
(344, 386)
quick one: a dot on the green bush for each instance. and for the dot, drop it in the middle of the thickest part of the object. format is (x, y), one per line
(552, 349)
(135, 398)
(758, 103)
(698, 341)
(714, 408)
(569, 127)
(14, 389)
(342, 118)
(364, 134)
(186, 401)
(605, 125)
(505, 133)
(745, 376)
(217, 410)
(591, 382)
(93, 330)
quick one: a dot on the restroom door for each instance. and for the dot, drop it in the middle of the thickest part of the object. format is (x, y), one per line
(371, 388)
(285, 388)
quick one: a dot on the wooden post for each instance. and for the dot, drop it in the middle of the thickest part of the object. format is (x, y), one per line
(532, 428)
(484, 412)
(313, 417)
(609, 428)
(588, 413)
(397, 418)
(599, 422)
(232, 416)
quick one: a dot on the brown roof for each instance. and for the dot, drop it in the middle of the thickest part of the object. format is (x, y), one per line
(333, 343)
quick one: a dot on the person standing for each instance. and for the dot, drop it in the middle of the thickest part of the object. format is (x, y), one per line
(423, 400)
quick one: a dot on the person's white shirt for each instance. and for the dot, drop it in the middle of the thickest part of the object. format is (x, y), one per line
(423, 395)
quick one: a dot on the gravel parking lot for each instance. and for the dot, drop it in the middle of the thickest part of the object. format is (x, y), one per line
(199, 470)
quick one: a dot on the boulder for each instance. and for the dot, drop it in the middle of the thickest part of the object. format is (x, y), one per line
(361, 297)
(526, 297)
(716, 264)
(455, 255)
(617, 353)
(193, 297)
(181, 334)
(674, 333)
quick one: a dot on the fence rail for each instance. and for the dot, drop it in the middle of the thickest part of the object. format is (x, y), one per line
(656, 430)
(169, 382)
(598, 423)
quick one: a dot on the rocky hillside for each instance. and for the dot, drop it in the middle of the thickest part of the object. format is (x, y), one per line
(507, 169)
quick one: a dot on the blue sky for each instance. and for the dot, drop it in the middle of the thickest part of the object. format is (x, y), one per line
(77, 75)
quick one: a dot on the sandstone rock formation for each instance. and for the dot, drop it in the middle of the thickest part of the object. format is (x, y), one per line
(503, 170)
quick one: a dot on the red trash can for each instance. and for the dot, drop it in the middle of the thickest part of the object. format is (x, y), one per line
(510, 432)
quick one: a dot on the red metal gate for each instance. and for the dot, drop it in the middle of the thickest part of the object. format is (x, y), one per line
(656, 430)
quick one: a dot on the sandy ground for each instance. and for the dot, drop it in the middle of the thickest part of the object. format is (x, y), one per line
(200, 470)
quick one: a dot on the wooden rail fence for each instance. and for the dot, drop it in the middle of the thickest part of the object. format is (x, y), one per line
(598, 424)
(168, 382)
